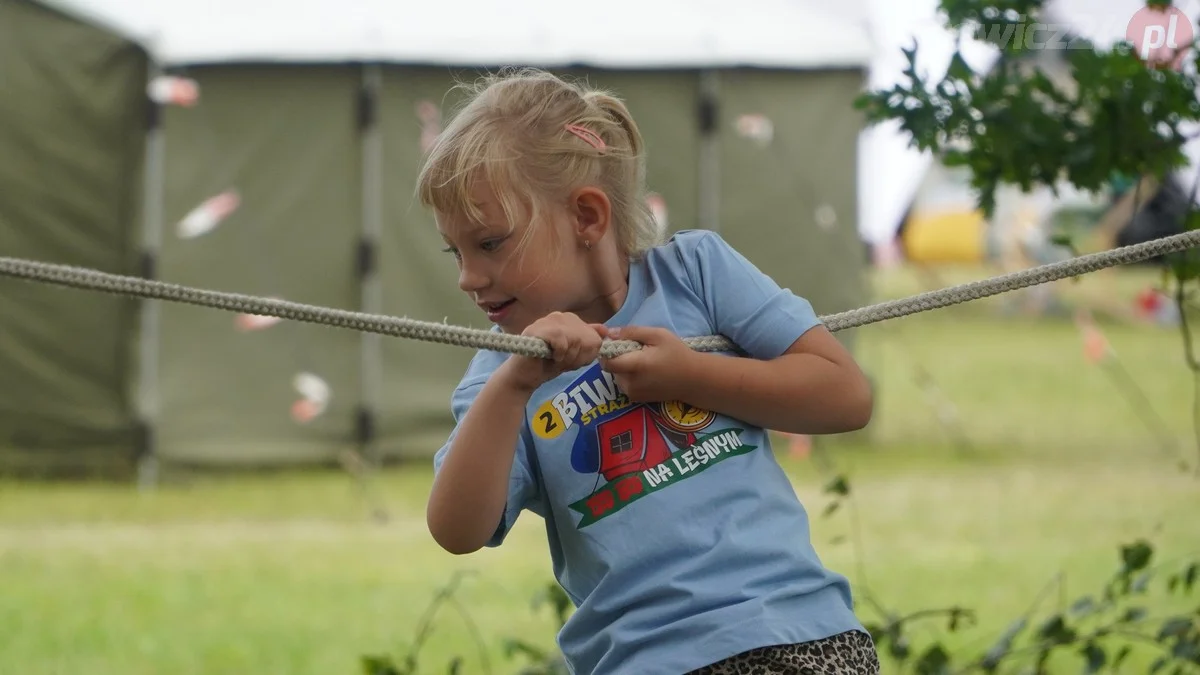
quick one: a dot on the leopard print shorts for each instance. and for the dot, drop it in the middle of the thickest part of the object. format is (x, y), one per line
(851, 653)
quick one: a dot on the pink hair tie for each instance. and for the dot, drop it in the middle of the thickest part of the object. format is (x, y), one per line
(590, 137)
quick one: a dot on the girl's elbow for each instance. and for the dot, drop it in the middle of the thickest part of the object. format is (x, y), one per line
(452, 539)
(454, 542)
(862, 405)
(454, 547)
(860, 415)
(858, 404)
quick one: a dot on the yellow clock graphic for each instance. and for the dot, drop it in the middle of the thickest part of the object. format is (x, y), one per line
(685, 417)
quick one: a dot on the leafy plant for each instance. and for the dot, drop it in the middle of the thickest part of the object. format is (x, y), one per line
(408, 664)
(538, 661)
(1103, 629)
(543, 661)
(1113, 116)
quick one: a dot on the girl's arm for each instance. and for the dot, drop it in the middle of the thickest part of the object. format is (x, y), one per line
(471, 490)
(467, 501)
(815, 387)
(799, 378)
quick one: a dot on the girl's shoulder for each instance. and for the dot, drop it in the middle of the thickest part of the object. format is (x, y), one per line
(701, 257)
(686, 244)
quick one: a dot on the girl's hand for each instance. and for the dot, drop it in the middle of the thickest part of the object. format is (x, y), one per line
(573, 344)
(658, 371)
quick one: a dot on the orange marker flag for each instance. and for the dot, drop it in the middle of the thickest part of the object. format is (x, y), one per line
(1096, 347)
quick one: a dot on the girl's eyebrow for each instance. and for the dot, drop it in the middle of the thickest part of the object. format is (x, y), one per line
(469, 228)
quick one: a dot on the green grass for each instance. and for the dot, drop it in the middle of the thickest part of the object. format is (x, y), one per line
(287, 574)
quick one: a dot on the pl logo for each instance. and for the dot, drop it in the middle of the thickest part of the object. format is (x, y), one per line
(1161, 36)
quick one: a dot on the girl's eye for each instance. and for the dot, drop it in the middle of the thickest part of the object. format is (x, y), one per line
(452, 250)
(491, 245)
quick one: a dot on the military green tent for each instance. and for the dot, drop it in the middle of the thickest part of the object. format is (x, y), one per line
(271, 149)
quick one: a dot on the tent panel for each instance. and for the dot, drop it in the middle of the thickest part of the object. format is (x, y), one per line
(284, 140)
(419, 280)
(71, 118)
(788, 196)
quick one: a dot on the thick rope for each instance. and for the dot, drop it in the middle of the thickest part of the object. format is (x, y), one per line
(75, 277)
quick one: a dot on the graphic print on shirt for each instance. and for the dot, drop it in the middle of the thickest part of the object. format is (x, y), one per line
(633, 449)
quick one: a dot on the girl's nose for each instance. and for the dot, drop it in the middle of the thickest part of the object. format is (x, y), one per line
(470, 280)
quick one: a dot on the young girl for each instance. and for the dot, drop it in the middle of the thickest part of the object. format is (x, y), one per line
(671, 527)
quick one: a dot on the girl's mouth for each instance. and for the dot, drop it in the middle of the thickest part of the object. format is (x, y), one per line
(496, 311)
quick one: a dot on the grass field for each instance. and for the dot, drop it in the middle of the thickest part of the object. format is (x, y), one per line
(287, 574)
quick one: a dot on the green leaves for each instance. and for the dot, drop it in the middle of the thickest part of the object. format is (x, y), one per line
(1136, 556)
(1056, 631)
(1185, 579)
(378, 665)
(544, 661)
(552, 594)
(839, 487)
(891, 639)
(1000, 650)
(934, 661)
(1046, 116)
(1095, 658)
(1017, 125)
(1185, 265)
(1100, 632)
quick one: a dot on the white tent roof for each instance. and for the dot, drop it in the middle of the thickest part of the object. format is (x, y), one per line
(619, 33)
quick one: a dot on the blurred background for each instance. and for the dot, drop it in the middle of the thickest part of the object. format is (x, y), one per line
(192, 491)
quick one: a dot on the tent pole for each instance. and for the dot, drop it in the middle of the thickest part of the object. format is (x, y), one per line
(709, 174)
(372, 217)
(148, 343)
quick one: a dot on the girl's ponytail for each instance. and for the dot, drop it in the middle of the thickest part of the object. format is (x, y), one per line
(616, 110)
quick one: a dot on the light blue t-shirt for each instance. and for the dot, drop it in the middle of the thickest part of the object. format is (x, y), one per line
(673, 529)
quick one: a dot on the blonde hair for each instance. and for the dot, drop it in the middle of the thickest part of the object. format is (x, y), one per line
(512, 135)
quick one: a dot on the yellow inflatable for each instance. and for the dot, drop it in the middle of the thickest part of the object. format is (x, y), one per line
(947, 236)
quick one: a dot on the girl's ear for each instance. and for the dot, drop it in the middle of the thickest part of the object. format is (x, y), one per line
(592, 213)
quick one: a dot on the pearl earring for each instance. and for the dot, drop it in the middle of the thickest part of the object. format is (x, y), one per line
(587, 244)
